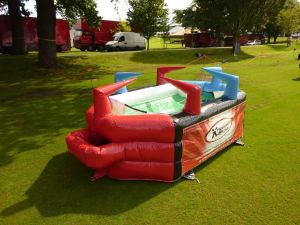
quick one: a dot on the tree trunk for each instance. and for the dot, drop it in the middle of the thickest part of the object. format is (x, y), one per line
(275, 39)
(148, 42)
(18, 43)
(46, 20)
(236, 48)
(269, 39)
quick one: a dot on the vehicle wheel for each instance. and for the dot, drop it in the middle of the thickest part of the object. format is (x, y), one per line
(82, 49)
(137, 48)
(100, 48)
(6, 50)
(118, 48)
(91, 48)
(65, 48)
(58, 48)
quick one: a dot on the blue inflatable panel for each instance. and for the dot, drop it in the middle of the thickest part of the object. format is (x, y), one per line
(220, 82)
(232, 82)
(207, 86)
(120, 76)
(200, 84)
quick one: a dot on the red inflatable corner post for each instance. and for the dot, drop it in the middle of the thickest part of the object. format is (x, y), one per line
(193, 101)
(162, 71)
(102, 104)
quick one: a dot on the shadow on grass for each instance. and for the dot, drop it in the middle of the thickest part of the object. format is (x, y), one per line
(188, 56)
(282, 47)
(20, 74)
(33, 124)
(63, 187)
(296, 79)
(38, 105)
(278, 47)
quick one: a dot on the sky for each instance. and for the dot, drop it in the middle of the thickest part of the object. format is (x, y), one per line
(107, 9)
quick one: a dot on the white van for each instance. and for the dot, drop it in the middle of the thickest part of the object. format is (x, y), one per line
(126, 41)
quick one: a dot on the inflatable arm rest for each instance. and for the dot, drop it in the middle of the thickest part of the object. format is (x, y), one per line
(120, 76)
(102, 105)
(232, 82)
(193, 99)
(162, 71)
(96, 157)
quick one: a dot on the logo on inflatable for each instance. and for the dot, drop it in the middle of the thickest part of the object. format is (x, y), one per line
(219, 130)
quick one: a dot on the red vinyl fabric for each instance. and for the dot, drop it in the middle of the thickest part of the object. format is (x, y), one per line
(127, 160)
(197, 146)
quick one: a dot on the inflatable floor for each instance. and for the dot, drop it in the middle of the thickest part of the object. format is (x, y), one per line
(159, 133)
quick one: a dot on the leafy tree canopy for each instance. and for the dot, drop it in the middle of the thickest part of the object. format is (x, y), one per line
(4, 7)
(147, 17)
(189, 17)
(86, 9)
(123, 27)
(272, 19)
(290, 17)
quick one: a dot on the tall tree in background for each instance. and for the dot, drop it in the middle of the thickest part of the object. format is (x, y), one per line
(290, 17)
(239, 16)
(188, 17)
(123, 27)
(46, 12)
(16, 8)
(272, 27)
(147, 17)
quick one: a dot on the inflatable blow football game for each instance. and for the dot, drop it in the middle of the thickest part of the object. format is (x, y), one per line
(159, 133)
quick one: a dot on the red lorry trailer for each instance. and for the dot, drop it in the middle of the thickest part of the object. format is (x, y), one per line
(87, 38)
(63, 42)
(205, 39)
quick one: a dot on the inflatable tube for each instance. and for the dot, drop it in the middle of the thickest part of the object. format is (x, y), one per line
(154, 159)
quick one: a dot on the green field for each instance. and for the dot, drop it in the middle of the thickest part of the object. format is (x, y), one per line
(40, 183)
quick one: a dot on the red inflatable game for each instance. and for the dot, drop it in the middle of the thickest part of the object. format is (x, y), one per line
(159, 133)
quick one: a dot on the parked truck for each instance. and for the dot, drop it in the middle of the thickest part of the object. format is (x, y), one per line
(91, 39)
(196, 40)
(63, 42)
(209, 39)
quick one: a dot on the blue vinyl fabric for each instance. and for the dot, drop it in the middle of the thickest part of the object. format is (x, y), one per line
(230, 84)
(120, 76)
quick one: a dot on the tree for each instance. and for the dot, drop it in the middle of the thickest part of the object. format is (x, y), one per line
(147, 17)
(188, 17)
(123, 27)
(290, 17)
(46, 21)
(199, 16)
(16, 8)
(86, 9)
(272, 27)
(46, 12)
(231, 16)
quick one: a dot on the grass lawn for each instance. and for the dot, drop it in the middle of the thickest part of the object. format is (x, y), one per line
(40, 183)
(157, 43)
